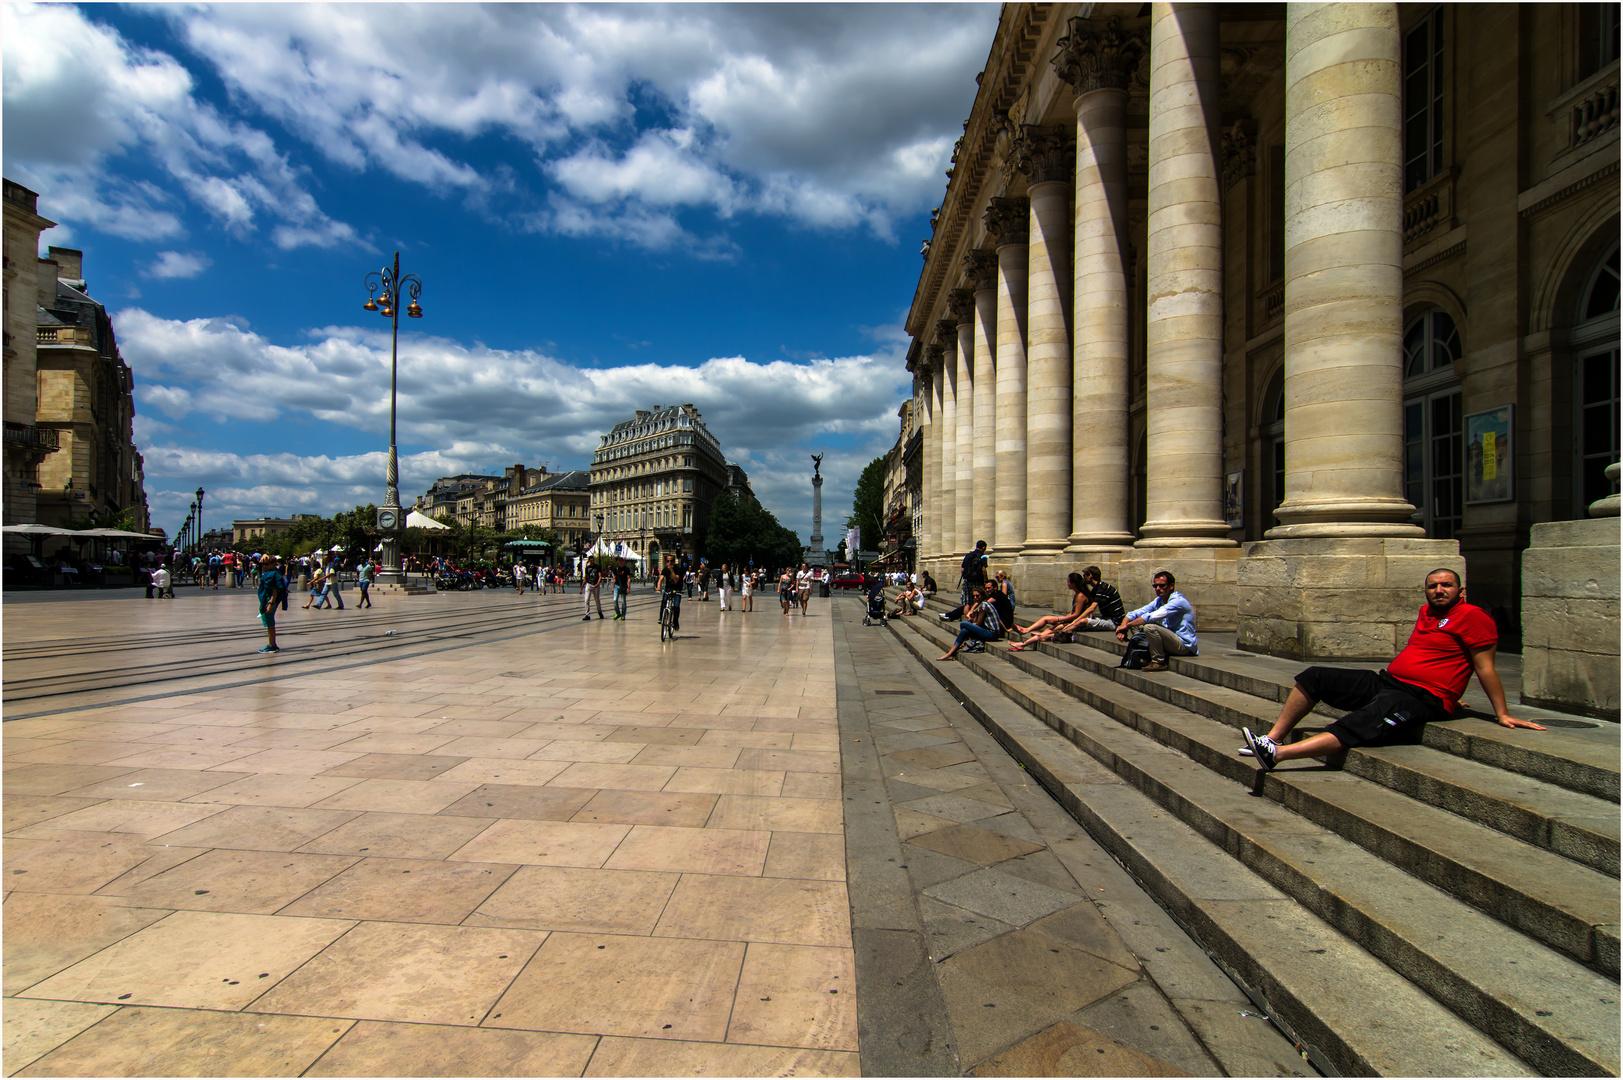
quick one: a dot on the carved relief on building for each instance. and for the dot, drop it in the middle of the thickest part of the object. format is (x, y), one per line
(932, 359)
(1008, 220)
(961, 302)
(946, 330)
(1239, 152)
(1094, 56)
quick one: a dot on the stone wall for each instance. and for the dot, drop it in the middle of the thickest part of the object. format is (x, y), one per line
(1570, 617)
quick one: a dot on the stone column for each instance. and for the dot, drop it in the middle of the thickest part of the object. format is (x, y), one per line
(1047, 159)
(1007, 220)
(1099, 60)
(1340, 578)
(1343, 274)
(1184, 328)
(982, 266)
(963, 308)
(929, 545)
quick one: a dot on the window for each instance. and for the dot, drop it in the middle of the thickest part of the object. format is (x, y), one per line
(1595, 347)
(1433, 428)
(1597, 37)
(687, 484)
(1423, 101)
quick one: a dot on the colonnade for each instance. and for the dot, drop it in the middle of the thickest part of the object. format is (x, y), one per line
(1027, 380)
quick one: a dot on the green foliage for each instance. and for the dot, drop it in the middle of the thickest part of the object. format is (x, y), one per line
(99, 519)
(741, 532)
(868, 504)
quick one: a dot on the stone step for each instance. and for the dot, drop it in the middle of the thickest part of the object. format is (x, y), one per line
(1569, 906)
(1560, 756)
(1572, 824)
(1447, 948)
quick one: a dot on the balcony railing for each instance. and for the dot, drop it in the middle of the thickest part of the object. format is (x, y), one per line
(31, 437)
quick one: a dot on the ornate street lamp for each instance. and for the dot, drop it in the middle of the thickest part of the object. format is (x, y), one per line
(191, 537)
(200, 516)
(383, 296)
(185, 535)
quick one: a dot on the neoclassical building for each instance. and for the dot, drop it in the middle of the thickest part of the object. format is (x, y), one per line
(1298, 301)
(653, 480)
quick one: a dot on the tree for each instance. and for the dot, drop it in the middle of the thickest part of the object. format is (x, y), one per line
(741, 533)
(868, 503)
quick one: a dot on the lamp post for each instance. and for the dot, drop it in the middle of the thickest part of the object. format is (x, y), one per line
(199, 516)
(191, 535)
(184, 537)
(383, 296)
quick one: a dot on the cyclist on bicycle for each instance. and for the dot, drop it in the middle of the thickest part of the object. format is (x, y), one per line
(670, 587)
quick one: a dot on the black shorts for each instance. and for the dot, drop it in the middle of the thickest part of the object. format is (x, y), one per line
(1381, 709)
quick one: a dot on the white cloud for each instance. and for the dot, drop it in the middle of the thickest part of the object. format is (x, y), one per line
(175, 264)
(490, 407)
(80, 102)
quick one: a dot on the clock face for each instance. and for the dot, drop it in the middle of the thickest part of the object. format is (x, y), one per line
(386, 519)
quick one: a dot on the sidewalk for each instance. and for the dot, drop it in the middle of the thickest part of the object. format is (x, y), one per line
(993, 936)
(573, 852)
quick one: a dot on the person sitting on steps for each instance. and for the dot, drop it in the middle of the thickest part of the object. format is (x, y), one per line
(1451, 639)
(1167, 622)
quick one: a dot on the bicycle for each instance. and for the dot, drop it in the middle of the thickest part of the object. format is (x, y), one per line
(666, 632)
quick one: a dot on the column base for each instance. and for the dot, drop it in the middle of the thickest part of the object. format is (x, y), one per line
(1082, 543)
(1570, 602)
(1185, 534)
(1342, 598)
(1206, 575)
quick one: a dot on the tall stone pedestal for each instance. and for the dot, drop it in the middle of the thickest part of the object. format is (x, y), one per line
(1570, 617)
(1341, 598)
(1206, 575)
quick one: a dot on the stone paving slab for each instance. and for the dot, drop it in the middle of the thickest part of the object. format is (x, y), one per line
(566, 851)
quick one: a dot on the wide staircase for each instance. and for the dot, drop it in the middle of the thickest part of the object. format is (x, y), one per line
(1448, 908)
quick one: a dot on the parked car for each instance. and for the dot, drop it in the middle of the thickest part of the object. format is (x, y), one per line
(849, 579)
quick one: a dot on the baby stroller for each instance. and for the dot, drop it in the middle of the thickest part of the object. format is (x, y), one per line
(875, 615)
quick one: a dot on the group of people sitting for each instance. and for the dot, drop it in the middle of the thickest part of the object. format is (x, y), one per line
(1167, 623)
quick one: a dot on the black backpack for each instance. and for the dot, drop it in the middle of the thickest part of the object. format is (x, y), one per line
(1138, 651)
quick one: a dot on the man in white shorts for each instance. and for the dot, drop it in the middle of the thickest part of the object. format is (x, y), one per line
(803, 584)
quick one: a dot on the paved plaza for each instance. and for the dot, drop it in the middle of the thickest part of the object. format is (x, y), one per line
(469, 834)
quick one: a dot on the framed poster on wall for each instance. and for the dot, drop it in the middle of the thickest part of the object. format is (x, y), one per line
(1490, 459)
(1233, 499)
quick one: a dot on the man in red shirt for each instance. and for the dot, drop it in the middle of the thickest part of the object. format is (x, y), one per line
(1450, 640)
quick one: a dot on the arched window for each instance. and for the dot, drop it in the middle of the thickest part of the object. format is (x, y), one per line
(1595, 347)
(1433, 435)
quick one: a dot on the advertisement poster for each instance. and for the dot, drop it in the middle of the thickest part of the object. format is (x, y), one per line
(1489, 456)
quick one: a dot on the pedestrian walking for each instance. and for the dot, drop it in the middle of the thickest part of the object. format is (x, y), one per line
(749, 590)
(803, 584)
(590, 580)
(723, 588)
(519, 576)
(786, 589)
(704, 582)
(363, 581)
(272, 593)
(332, 595)
(622, 586)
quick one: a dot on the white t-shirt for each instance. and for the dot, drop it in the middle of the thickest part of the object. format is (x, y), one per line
(803, 580)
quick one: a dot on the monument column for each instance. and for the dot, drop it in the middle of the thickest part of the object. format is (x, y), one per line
(1007, 220)
(1338, 576)
(982, 266)
(1099, 61)
(1046, 158)
(815, 555)
(961, 302)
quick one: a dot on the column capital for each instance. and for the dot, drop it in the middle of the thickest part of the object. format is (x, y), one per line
(947, 329)
(1008, 220)
(933, 355)
(961, 303)
(1042, 154)
(1095, 55)
(1239, 153)
(981, 266)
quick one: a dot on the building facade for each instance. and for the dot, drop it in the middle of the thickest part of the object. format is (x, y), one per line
(1298, 302)
(26, 443)
(560, 502)
(84, 394)
(245, 529)
(653, 481)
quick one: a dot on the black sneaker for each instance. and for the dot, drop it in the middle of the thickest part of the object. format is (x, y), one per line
(585, 618)
(1262, 748)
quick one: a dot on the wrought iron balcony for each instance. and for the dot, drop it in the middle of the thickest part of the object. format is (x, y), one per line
(29, 436)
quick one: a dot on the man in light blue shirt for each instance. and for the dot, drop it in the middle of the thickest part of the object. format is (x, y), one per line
(1168, 623)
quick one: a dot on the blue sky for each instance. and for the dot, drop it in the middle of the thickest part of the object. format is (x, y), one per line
(611, 207)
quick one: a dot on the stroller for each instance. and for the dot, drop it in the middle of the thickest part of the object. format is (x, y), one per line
(875, 615)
